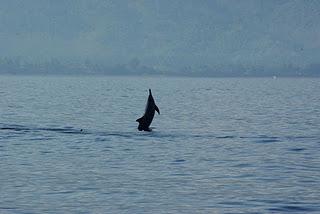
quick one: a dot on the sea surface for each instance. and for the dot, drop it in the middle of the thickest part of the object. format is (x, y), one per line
(234, 145)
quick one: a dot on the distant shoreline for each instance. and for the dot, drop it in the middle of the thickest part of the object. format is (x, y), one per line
(154, 75)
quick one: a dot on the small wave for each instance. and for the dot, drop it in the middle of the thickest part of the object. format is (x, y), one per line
(15, 128)
(86, 188)
(243, 165)
(179, 160)
(20, 128)
(236, 203)
(267, 140)
(225, 137)
(262, 139)
(39, 139)
(46, 152)
(297, 149)
(8, 208)
(113, 134)
(292, 208)
(64, 130)
(61, 192)
(171, 135)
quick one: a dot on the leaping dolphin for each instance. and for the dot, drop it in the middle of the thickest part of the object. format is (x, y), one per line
(146, 119)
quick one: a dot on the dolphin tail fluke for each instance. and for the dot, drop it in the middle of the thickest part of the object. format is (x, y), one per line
(140, 121)
(157, 109)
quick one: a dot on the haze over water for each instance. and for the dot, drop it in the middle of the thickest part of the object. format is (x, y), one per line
(181, 37)
(71, 145)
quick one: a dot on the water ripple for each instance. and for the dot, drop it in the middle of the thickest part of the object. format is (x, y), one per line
(292, 208)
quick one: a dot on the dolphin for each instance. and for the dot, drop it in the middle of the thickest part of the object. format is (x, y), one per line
(146, 119)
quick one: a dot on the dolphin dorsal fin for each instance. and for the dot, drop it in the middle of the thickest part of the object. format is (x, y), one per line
(150, 92)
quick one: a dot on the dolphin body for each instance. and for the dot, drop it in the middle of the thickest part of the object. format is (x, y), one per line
(146, 119)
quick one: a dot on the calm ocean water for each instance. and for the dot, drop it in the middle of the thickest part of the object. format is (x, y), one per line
(219, 145)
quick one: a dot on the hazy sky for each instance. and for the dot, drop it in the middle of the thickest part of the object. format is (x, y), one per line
(163, 33)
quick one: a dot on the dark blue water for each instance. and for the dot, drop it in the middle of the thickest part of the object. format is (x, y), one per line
(70, 145)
